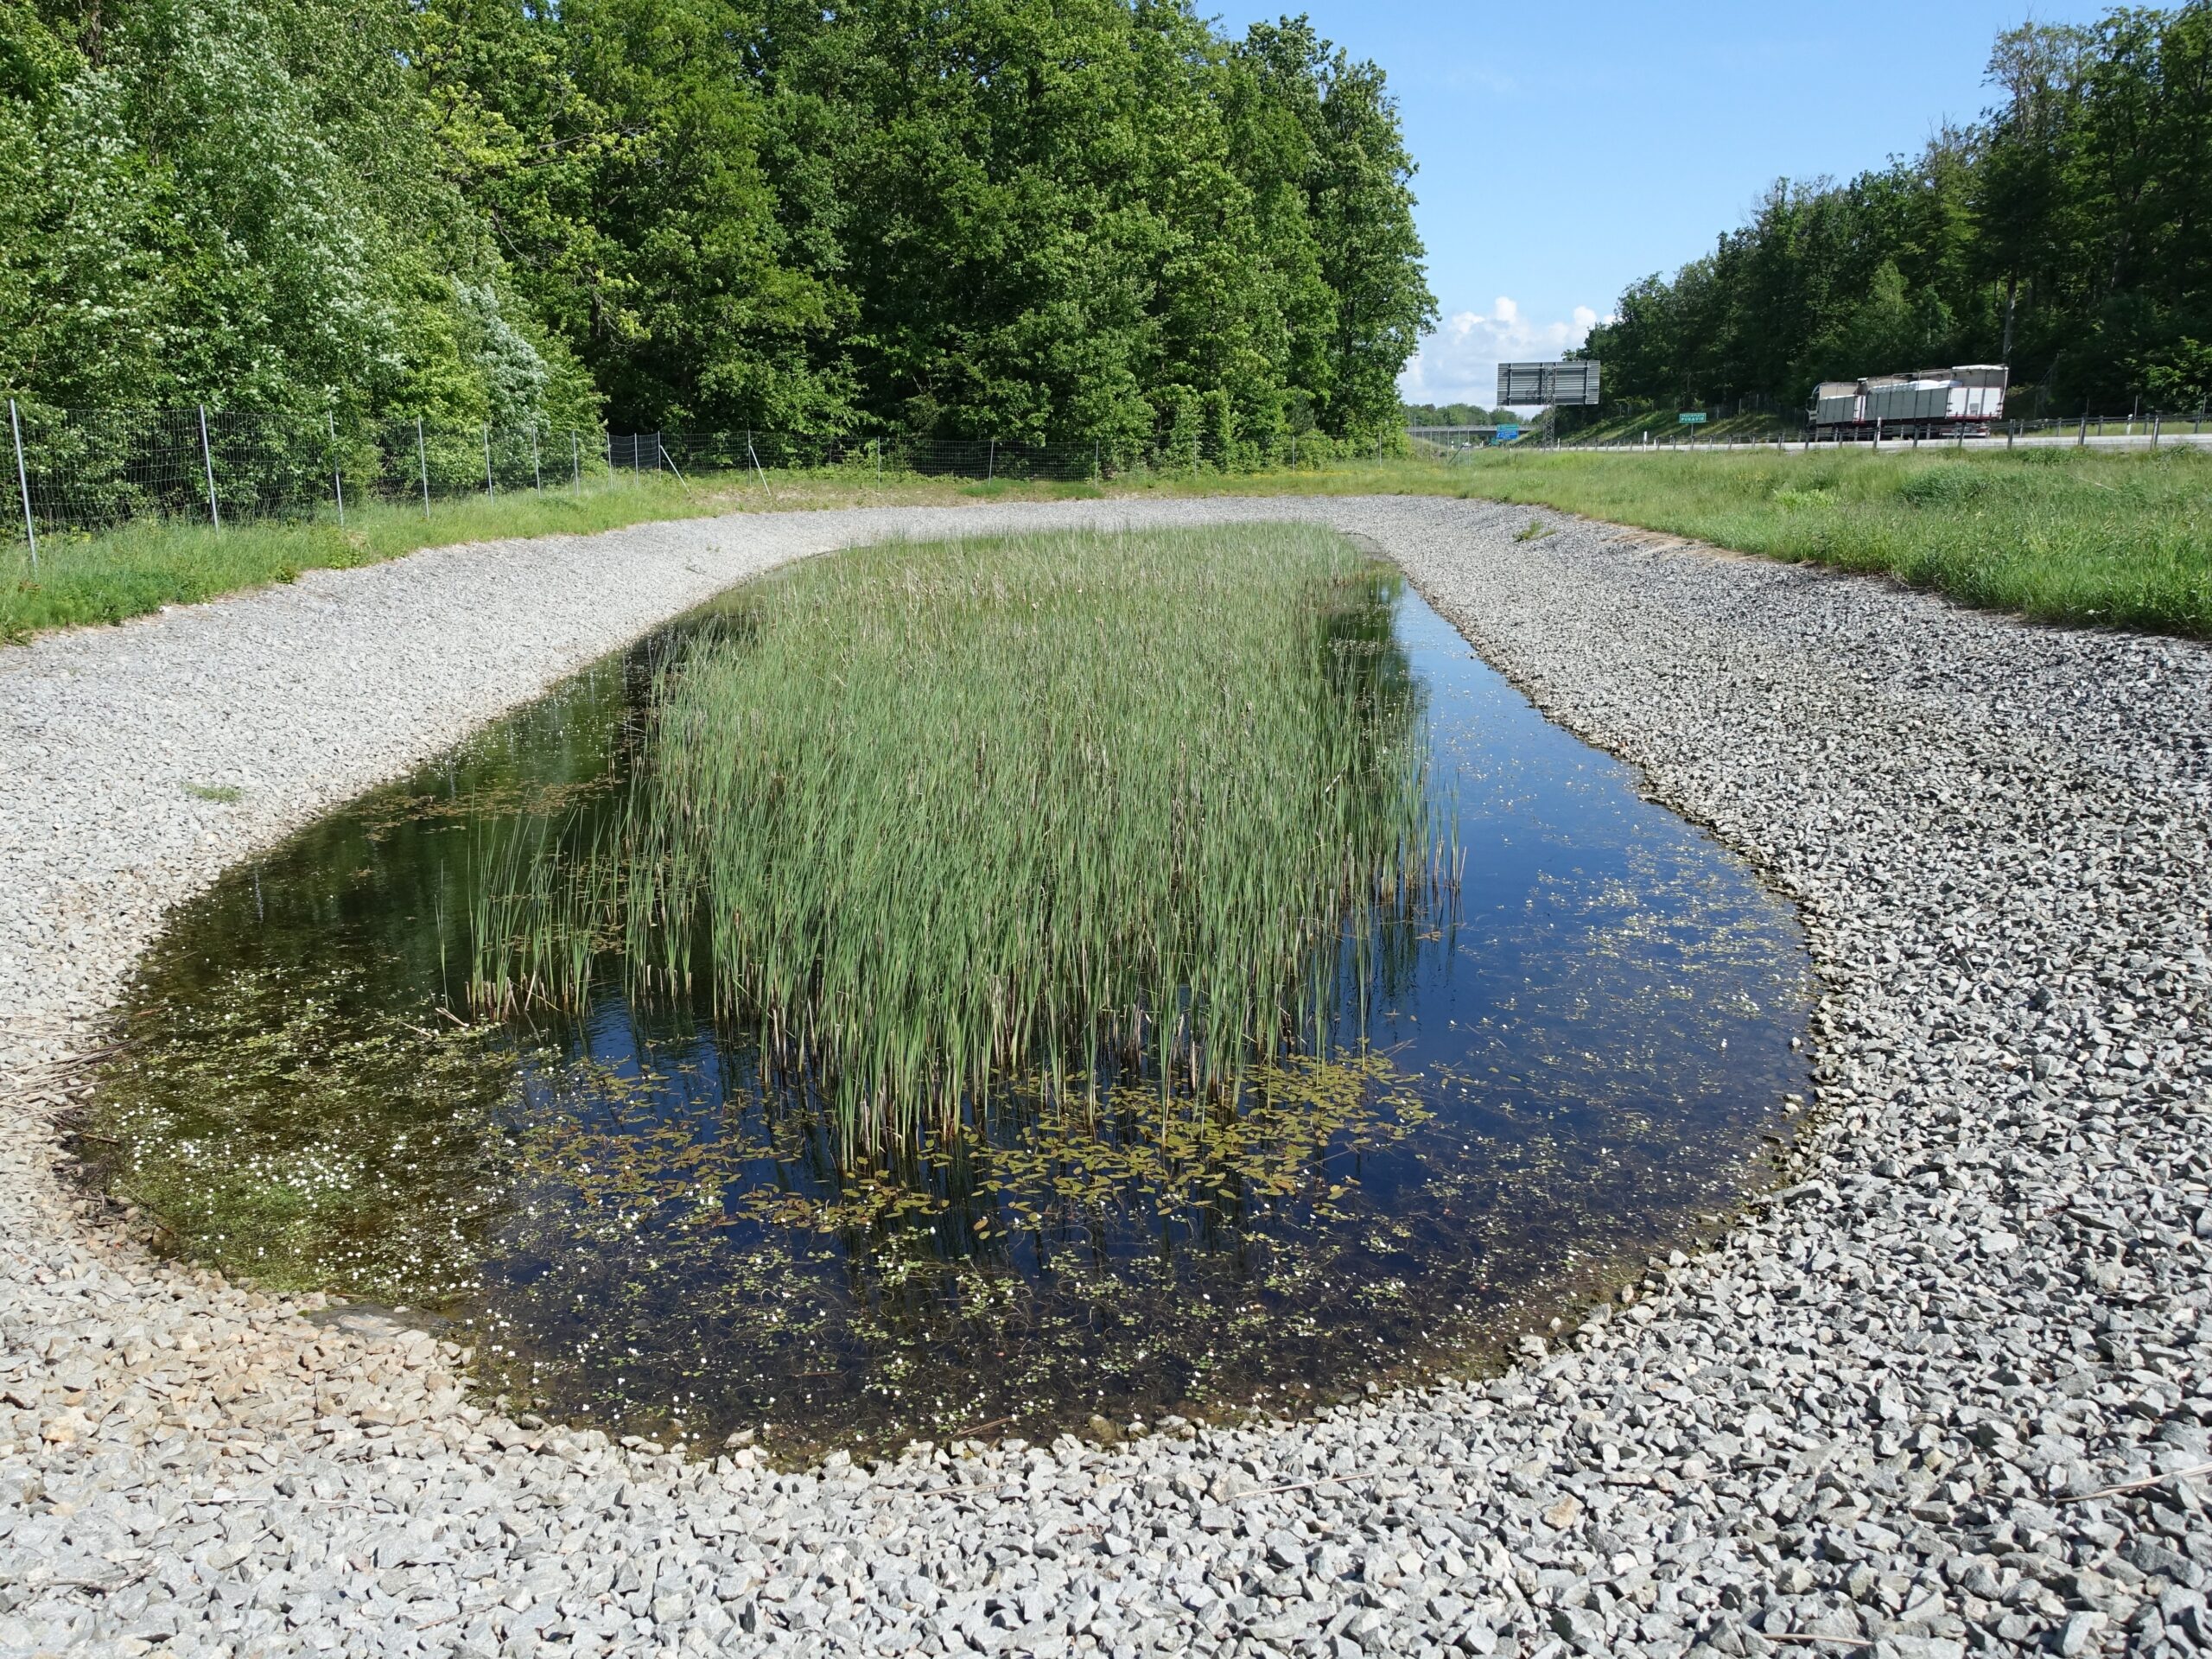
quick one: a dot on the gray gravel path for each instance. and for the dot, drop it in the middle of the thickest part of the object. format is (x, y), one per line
(1885, 1415)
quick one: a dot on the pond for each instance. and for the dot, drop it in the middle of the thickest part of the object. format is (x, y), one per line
(1577, 1047)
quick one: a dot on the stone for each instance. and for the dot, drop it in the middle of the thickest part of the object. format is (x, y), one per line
(1976, 1296)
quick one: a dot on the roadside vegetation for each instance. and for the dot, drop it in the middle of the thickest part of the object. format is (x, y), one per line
(2061, 234)
(145, 564)
(2060, 534)
(1665, 426)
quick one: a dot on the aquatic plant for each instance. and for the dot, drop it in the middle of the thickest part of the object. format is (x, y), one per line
(1069, 806)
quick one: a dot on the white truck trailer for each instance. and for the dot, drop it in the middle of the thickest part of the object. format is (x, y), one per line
(1927, 403)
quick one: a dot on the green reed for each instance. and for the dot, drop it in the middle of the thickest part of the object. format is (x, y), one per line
(1051, 806)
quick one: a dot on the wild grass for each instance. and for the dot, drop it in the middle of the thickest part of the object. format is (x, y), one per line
(83, 579)
(141, 566)
(2059, 534)
(1057, 807)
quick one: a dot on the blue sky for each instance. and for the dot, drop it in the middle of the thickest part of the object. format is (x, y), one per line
(1566, 150)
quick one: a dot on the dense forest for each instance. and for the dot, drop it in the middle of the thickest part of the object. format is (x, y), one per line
(2068, 234)
(1040, 220)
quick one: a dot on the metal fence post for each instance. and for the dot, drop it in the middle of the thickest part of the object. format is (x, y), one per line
(1096, 474)
(207, 460)
(576, 463)
(537, 469)
(422, 465)
(878, 443)
(489, 491)
(991, 466)
(24, 483)
(337, 472)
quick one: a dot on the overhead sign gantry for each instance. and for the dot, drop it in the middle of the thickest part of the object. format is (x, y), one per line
(1521, 385)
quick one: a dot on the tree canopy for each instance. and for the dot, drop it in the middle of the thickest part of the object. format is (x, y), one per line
(2068, 234)
(1042, 220)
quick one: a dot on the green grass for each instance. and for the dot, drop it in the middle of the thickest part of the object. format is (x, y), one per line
(2058, 534)
(1664, 426)
(2061, 534)
(1053, 808)
(142, 566)
(113, 576)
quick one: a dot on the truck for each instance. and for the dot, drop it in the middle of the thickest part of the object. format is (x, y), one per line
(1927, 403)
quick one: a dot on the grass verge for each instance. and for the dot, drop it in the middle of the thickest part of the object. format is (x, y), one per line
(115, 574)
(2064, 535)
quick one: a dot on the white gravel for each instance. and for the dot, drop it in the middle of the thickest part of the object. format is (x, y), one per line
(1880, 1418)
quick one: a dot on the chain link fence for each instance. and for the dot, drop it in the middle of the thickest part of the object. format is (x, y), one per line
(89, 470)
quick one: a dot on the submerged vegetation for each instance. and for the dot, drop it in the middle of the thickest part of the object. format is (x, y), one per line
(1057, 808)
(649, 1210)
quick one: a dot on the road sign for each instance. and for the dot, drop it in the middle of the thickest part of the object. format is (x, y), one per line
(1521, 385)
(1507, 434)
(1691, 417)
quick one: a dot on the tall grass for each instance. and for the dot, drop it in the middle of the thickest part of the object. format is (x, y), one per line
(2060, 534)
(1052, 806)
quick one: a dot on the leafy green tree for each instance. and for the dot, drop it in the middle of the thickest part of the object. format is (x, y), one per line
(234, 202)
(614, 147)
(1040, 220)
(2065, 234)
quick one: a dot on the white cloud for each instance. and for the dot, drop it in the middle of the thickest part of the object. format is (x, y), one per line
(1457, 364)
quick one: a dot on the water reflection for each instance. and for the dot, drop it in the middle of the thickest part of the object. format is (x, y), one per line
(1568, 1064)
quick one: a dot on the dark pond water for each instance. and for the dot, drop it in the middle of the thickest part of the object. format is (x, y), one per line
(1567, 1066)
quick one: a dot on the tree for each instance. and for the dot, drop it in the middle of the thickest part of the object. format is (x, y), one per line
(2065, 234)
(1043, 220)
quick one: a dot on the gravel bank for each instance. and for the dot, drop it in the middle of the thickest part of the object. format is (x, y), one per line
(1883, 1416)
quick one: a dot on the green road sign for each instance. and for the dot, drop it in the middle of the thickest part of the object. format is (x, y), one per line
(1691, 417)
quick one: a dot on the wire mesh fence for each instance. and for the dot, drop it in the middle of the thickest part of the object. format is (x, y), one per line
(89, 470)
(95, 470)
(92, 469)
(985, 459)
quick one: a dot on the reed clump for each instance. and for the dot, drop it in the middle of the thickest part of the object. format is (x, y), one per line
(1059, 807)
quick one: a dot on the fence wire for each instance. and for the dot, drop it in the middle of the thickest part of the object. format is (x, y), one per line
(89, 470)
(95, 470)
